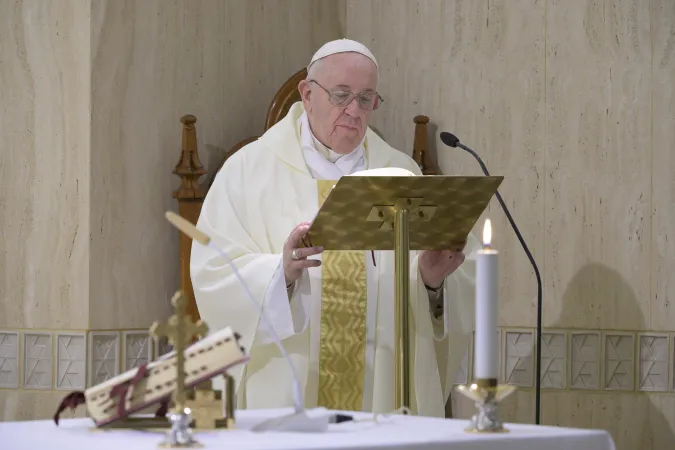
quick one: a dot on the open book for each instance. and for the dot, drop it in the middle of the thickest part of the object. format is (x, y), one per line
(154, 383)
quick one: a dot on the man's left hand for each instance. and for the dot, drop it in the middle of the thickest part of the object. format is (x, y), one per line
(436, 265)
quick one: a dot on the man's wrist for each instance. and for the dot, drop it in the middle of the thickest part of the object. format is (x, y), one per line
(434, 289)
(436, 302)
(290, 288)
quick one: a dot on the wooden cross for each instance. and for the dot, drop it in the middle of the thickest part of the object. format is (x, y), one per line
(207, 408)
(179, 330)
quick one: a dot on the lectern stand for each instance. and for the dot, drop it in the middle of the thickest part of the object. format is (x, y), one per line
(401, 213)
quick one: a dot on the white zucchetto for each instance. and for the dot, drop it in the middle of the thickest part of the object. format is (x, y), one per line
(342, 46)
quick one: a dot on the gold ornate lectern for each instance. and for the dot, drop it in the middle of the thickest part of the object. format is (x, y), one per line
(401, 213)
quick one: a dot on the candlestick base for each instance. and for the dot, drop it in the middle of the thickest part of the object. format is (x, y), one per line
(487, 394)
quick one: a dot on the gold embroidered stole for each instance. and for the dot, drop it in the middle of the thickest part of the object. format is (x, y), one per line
(342, 356)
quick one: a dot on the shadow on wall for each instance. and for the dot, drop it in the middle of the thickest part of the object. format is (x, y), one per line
(432, 131)
(632, 419)
(214, 159)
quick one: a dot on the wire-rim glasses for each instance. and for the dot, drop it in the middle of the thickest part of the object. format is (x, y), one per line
(368, 100)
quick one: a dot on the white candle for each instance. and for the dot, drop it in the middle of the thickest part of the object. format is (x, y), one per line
(486, 346)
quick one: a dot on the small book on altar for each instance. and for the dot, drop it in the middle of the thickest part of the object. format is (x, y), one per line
(154, 383)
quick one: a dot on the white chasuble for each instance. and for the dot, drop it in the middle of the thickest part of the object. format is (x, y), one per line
(338, 324)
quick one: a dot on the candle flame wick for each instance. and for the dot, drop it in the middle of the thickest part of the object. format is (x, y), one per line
(487, 233)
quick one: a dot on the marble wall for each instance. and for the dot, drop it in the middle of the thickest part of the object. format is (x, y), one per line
(91, 100)
(45, 118)
(574, 102)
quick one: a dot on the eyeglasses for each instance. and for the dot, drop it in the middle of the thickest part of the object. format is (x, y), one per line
(368, 100)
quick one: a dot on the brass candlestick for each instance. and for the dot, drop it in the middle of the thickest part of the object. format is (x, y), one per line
(179, 330)
(487, 394)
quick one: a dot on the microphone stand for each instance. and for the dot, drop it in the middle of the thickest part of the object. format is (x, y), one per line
(450, 139)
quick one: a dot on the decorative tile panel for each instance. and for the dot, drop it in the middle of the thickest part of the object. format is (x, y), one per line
(519, 358)
(137, 349)
(585, 364)
(37, 357)
(619, 361)
(554, 360)
(9, 359)
(104, 356)
(589, 359)
(71, 352)
(653, 354)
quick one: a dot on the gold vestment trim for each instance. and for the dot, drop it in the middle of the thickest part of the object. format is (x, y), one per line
(344, 297)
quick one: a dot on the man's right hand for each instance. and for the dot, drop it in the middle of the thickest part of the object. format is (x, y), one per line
(295, 259)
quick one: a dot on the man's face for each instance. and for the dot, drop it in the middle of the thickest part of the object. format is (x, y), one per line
(340, 128)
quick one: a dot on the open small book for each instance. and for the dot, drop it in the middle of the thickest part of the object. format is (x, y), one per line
(382, 172)
(151, 384)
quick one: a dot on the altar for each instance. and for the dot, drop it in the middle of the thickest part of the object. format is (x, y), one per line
(390, 432)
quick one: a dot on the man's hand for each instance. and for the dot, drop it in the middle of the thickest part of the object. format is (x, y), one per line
(436, 265)
(295, 259)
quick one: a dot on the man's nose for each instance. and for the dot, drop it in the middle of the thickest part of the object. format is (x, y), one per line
(353, 108)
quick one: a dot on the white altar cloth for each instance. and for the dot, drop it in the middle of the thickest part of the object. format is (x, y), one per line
(392, 432)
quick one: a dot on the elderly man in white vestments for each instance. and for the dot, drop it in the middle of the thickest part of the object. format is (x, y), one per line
(334, 311)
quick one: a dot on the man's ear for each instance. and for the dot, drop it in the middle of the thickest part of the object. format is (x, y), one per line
(305, 92)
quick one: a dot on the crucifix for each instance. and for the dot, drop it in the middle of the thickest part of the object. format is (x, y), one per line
(179, 330)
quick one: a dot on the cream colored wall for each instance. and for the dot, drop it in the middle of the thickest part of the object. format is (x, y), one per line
(91, 98)
(44, 176)
(574, 102)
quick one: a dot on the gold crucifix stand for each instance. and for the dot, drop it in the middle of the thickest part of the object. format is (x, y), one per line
(401, 213)
(179, 330)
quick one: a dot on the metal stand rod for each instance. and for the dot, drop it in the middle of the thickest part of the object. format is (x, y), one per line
(401, 299)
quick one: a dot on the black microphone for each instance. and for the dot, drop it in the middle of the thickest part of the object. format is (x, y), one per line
(451, 140)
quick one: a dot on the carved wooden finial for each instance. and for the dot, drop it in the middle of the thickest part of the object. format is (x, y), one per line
(189, 168)
(421, 146)
(421, 120)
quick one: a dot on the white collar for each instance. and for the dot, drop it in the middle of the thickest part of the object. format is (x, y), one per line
(323, 162)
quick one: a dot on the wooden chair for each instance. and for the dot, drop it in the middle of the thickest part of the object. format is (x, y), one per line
(190, 194)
